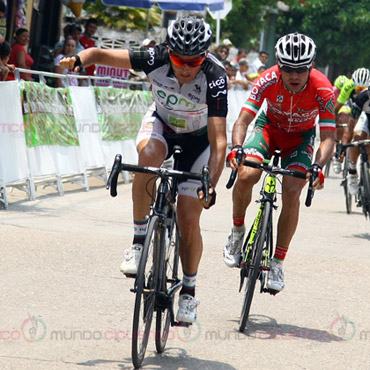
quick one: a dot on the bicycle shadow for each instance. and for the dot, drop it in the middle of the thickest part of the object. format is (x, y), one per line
(361, 236)
(266, 328)
(171, 359)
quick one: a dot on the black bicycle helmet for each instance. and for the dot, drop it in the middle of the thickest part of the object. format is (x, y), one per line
(189, 35)
(295, 50)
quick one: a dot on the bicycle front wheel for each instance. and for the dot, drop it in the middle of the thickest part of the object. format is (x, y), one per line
(169, 280)
(146, 281)
(254, 270)
(347, 194)
(365, 177)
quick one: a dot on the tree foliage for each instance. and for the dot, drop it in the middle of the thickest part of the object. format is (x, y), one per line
(338, 27)
(246, 20)
(120, 17)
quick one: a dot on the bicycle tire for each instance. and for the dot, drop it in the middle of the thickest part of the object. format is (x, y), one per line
(146, 281)
(169, 279)
(347, 194)
(327, 168)
(261, 238)
(365, 176)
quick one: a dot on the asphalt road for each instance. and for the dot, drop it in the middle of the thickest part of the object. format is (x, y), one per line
(65, 305)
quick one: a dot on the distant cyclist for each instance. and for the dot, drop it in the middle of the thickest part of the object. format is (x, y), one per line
(295, 94)
(361, 132)
(341, 119)
(359, 81)
(190, 105)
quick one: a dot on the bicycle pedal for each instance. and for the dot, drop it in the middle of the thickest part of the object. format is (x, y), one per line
(130, 276)
(272, 291)
(182, 324)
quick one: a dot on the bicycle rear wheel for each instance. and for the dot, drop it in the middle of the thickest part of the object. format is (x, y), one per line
(146, 281)
(169, 280)
(344, 183)
(254, 270)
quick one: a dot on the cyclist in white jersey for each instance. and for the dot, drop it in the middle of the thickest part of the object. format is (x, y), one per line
(190, 105)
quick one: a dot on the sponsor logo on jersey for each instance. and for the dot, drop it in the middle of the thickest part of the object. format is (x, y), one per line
(197, 88)
(279, 98)
(171, 100)
(151, 59)
(261, 84)
(220, 82)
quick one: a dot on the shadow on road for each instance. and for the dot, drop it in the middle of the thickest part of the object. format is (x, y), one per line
(267, 328)
(170, 359)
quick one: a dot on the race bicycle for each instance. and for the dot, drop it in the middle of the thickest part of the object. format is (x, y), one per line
(347, 195)
(157, 280)
(258, 248)
(363, 195)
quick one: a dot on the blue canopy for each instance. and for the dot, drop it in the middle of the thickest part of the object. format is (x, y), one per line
(188, 5)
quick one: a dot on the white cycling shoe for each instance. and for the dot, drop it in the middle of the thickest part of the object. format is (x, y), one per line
(275, 278)
(130, 263)
(233, 247)
(187, 309)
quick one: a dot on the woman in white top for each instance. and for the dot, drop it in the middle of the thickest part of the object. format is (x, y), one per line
(69, 48)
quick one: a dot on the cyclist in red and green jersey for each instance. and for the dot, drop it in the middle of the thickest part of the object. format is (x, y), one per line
(296, 94)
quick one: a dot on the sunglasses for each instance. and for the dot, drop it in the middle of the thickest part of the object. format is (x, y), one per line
(179, 62)
(298, 70)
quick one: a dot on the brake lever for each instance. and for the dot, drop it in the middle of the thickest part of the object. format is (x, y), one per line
(205, 182)
(113, 176)
(238, 157)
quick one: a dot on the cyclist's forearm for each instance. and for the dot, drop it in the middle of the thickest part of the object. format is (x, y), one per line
(326, 147)
(218, 144)
(240, 127)
(111, 57)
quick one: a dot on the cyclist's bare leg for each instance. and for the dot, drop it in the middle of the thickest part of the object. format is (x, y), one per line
(354, 151)
(152, 152)
(242, 192)
(288, 219)
(348, 131)
(189, 210)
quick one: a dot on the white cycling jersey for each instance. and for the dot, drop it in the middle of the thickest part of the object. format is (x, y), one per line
(183, 108)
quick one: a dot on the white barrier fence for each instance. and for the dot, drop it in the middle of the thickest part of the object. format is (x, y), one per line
(51, 136)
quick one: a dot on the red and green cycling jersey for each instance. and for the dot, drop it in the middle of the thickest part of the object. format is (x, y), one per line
(293, 112)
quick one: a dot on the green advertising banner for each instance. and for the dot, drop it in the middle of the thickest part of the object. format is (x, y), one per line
(120, 112)
(48, 115)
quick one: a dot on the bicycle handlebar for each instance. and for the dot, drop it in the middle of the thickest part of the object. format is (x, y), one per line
(238, 157)
(356, 143)
(279, 171)
(118, 166)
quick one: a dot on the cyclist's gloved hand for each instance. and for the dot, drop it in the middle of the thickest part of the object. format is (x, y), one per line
(212, 196)
(318, 176)
(232, 155)
(72, 62)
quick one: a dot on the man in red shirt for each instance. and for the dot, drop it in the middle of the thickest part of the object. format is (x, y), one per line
(296, 95)
(87, 42)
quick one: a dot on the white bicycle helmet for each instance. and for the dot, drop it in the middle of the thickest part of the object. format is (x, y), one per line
(189, 35)
(295, 50)
(361, 77)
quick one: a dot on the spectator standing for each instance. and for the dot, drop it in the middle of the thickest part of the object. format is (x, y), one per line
(76, 34)
(221, 52)
(69, 48)
(87, 41)
(4, 57)
(242, 54)
(19, 56)
(241, 81)
(261, 60)
(2, 15)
